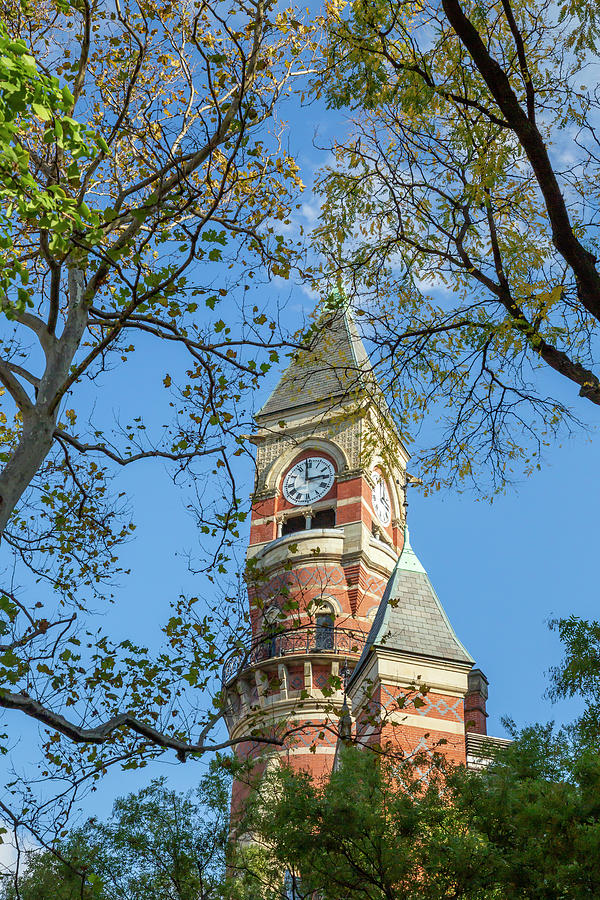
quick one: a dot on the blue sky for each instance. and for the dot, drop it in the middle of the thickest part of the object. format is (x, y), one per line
(502, 570)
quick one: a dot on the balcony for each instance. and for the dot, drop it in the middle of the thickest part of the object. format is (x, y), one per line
(324, 543)
(303, 640)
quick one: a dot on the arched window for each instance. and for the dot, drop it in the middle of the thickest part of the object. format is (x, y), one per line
(324, 619)
(271, 629)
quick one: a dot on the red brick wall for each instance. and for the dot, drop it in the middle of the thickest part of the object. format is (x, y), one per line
(475, 714)
(356, 589)
(413, 727)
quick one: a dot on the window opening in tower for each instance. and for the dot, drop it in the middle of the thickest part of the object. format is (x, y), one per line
(324, 518)
(324, 631)
(294, 524)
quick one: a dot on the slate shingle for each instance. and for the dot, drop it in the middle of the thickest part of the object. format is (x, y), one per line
(410, 617)
(336, 366)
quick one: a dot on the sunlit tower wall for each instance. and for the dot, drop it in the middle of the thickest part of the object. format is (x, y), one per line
(326, 530)
(340, 606)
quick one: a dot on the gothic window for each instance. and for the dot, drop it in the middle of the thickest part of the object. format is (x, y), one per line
(324, 631)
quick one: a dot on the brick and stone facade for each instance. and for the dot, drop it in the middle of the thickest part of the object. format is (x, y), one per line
(335, 595)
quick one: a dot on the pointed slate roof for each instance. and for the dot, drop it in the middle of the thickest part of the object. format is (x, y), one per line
(336, 366)
(410, 618)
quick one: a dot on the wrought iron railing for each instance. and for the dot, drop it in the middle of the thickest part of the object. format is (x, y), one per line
(305, 639)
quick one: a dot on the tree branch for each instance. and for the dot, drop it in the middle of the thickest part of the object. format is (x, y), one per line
(84, 54)
(54, 267)
(19, 370)
(41, 627)
(64, 437)
(39, 328)
(581, 261)
(14, 388)
(101, 734)
(588, 383)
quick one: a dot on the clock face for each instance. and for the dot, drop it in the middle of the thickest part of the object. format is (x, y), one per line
(308, 480)
(382, 504)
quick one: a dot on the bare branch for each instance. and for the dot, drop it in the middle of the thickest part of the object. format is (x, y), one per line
(23, 373)
(14, 388)
(101, 734)
(63, 437)
(42, 626)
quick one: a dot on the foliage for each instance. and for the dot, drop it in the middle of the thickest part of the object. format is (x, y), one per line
(157, 845)
(578, 674)
(525, 828)
(144, 190)
(26, 91)
(462, 212)
(529, 827)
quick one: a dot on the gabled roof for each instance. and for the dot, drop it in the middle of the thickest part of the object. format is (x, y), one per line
(334, 367)
(410, 618)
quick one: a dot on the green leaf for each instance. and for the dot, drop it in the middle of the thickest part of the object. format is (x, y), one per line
(42, 112)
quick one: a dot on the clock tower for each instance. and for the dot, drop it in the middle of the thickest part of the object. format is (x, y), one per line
(326, 530)
(327, 533)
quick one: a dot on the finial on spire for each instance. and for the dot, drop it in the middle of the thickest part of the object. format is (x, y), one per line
(337, 298)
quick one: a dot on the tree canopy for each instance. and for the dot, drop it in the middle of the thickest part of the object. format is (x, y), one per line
(528, 827)
(158, 844)
(461, 211)
(144, 188)
(525, 828)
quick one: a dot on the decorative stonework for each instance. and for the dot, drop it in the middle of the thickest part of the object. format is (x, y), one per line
(345, 433)
(348, 435)
(267, 452)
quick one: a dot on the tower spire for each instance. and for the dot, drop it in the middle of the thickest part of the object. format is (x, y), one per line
(332, 366)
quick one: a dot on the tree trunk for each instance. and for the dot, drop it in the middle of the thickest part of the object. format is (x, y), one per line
(33, 447)
(39, 422)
